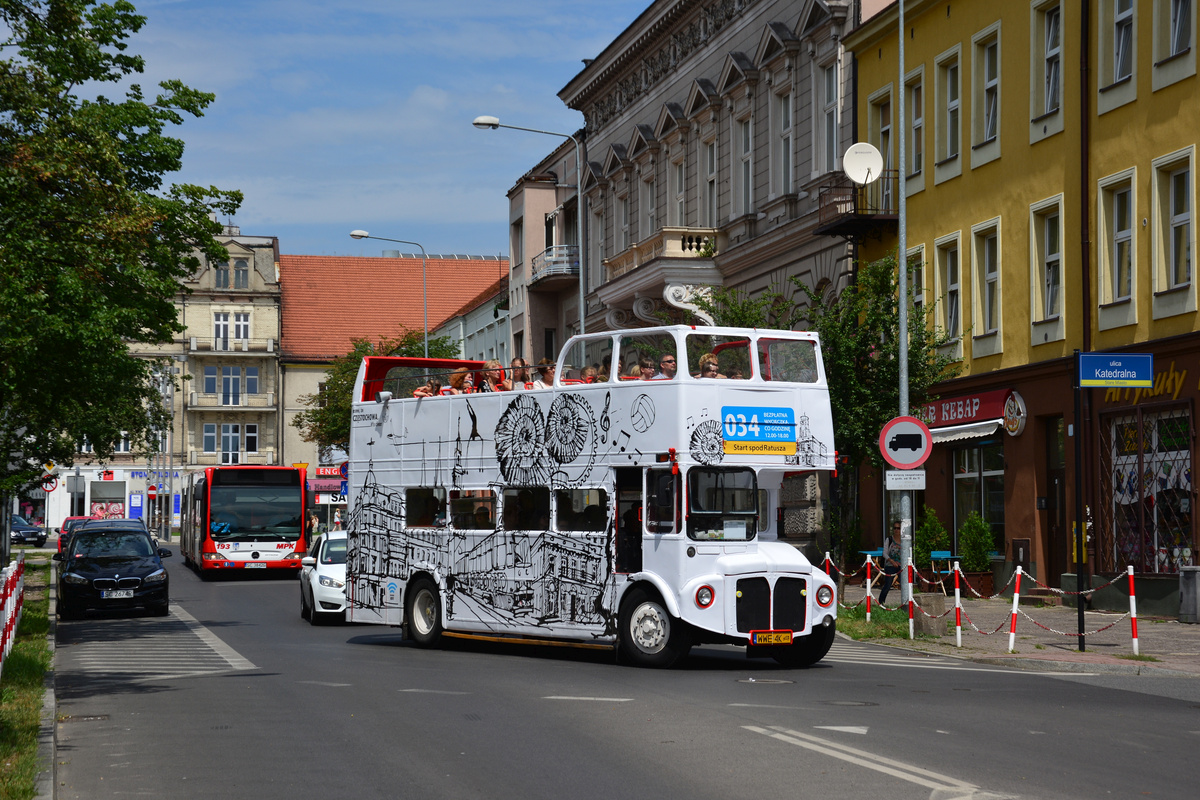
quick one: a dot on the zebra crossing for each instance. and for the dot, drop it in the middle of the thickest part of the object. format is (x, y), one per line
(850, 652)
(133, 649)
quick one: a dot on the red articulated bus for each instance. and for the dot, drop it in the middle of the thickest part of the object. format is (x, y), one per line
(244, 517)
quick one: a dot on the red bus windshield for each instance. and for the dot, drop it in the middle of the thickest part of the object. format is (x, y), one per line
(257, 506)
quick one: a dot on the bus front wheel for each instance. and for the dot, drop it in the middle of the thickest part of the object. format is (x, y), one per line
(649, 637)
(423, 612)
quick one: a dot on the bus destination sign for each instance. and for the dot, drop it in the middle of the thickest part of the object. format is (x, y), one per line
(759, 430)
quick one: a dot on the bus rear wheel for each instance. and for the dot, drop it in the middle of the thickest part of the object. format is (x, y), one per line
(423, 612)
(807, 650)
(649, 636)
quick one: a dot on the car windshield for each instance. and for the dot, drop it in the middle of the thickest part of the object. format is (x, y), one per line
(112, 545)
(19, 520)
(334, 552)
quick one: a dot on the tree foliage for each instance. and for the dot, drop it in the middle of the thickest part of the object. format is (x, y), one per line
(92, 246)
(325, 421)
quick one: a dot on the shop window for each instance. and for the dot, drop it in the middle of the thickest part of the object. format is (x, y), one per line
(979, 486)
(1146, 491)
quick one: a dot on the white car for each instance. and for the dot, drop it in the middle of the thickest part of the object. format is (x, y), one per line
(323, 579)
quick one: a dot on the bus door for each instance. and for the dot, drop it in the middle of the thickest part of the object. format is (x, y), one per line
(629, 519)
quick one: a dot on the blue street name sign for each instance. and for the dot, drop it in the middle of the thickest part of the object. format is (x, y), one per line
(1116, 369)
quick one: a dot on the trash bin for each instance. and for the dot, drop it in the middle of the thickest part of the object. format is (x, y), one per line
(1189, 594)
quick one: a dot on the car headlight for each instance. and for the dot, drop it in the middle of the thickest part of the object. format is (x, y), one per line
(76, 580)
(325, 580)
(158, 576)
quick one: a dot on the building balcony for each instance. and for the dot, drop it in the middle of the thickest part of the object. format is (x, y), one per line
(262, 347)
(198, 401)
(200, 458)
(556, 267)
(666, 243)
(853, 212)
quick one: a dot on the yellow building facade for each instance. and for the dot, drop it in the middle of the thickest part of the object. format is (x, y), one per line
(1051, 208)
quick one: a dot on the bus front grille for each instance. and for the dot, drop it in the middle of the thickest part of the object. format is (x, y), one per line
(789, 604)
(753, 604)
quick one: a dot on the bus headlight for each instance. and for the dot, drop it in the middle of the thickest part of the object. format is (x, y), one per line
(213, 557)
(824, 596)
(293, 555)
(705, 596)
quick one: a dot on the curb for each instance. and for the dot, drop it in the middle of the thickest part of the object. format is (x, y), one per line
(46, 783)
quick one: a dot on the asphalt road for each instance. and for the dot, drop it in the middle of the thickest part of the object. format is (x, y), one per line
(233, 695)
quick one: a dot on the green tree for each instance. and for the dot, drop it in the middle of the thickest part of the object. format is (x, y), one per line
(92, 246)
(326, 419)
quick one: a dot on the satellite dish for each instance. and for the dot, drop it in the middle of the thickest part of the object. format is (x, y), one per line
(862, 163)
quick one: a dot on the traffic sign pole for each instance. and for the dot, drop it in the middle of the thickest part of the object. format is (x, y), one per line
(905, 443)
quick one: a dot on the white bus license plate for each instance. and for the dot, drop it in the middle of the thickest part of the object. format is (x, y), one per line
(255, 565)
(117, 594)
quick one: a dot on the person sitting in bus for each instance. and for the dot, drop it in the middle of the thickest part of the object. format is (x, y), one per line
(493, 378)
(545, 368)
(645, 368)
(483, 519)
(588, 374)
(593, 518)
(520, 373)
(458, 381)
(736, 374)
(431, 389)
(709, 368)
(666, 367)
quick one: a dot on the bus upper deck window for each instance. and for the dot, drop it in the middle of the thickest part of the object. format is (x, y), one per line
(790, 360)
(711, 356)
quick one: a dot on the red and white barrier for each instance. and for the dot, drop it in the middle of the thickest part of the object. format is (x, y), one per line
(12, 602)
(1133, 610)
(1012, 631)
(957, 610)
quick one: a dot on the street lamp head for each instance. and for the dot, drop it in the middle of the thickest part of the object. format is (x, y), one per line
(486, 123)
(359, 235)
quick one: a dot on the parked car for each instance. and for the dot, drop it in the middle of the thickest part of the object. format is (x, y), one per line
(323, 579)
(69, 525)
(24, 533)
(112, 567)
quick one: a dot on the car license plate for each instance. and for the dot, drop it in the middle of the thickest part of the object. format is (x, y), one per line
(255, 565)
(117, 594)
(770, 637)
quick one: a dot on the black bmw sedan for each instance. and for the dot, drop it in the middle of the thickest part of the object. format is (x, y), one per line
(112, 568)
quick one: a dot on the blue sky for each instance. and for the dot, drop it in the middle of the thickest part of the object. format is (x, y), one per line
(333, 115)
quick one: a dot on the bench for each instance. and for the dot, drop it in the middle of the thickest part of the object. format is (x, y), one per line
(939, 574)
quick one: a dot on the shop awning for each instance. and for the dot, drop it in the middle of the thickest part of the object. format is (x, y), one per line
(972, 430)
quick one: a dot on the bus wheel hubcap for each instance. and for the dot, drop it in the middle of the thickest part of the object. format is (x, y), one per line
(424, 615)
(649, 627)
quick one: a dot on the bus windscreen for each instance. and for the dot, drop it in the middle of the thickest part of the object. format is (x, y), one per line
(256, 513)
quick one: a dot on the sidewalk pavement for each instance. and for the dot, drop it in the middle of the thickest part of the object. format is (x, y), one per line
(1173, 646)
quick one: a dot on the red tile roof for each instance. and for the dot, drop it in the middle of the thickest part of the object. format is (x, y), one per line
(497, 290)
(329, 300)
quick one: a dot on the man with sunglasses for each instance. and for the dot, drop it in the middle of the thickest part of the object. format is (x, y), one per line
(666, 368)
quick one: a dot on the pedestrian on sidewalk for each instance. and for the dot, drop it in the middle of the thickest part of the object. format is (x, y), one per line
(891, 561)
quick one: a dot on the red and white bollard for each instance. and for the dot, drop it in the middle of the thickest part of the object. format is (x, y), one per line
(957, 610)
(1012, 628)
(911, 633)
(828, 565)
(1132, 610)
(868, 588)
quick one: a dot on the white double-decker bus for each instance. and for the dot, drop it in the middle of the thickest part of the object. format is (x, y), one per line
(634, 503)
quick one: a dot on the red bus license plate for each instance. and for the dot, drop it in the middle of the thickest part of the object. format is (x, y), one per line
(770, 637)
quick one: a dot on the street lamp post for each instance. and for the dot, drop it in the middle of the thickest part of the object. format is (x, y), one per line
(424, 274)
(486, 123)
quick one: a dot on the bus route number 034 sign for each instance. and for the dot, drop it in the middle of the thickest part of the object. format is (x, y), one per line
(759, 430)
(905, 442)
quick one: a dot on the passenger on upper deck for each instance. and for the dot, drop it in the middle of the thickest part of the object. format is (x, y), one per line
(645, 368)
(520, 372)
(431, 389)
(709, 368)
(459, 382)
(493, 378)
(666, 367)
(545, 368)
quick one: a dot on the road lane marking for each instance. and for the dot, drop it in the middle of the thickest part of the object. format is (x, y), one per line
(325, 683)
(233, 657)
(592, 699)
(430, 691)
(861, 730)
(897, 769)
